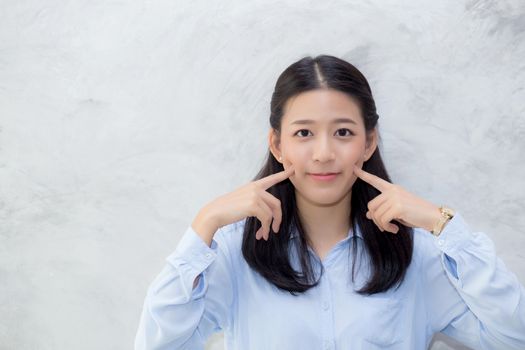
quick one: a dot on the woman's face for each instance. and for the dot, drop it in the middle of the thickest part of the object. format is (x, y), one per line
(322, 131)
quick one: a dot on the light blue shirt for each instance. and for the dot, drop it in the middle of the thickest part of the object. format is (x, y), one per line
(455, 284)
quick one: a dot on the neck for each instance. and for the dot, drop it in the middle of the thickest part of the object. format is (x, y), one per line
(325, 225)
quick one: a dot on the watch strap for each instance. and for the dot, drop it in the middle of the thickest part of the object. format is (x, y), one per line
(446, 214)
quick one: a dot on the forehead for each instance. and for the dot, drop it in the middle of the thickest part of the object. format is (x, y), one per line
(320, 106)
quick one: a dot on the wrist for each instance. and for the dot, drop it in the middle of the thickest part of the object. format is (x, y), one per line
(205, 225)
(434, 217)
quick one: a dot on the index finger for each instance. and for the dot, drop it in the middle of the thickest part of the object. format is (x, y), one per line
(273, 179)
(376, 181)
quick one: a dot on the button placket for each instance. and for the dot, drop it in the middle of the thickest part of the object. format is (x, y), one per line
(327, 314)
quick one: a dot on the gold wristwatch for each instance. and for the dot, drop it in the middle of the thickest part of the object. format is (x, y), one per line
(446, 215)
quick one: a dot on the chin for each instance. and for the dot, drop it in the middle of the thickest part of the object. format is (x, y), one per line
(324, 199)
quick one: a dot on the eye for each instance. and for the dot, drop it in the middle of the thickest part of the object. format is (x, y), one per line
(299, 131)
(350, 133)
(347, 132)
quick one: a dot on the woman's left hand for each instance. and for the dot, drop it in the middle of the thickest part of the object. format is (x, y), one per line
(395, 203)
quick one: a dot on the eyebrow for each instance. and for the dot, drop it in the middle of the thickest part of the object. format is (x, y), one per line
(335, 121)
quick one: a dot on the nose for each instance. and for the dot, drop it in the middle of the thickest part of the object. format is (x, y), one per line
(323, 150)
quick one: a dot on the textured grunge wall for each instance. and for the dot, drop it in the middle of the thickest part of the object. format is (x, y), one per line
(119, 120)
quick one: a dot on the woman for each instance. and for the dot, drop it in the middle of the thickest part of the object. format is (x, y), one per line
(322, 251)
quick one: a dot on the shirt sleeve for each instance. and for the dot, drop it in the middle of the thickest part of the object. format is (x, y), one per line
(177, 316)
(471, 295)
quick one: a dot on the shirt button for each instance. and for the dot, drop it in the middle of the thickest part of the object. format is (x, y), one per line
(326, 306)
(208, 256)
(327, 345)
(441, 242)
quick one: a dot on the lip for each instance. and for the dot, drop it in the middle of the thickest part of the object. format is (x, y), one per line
(324, 176)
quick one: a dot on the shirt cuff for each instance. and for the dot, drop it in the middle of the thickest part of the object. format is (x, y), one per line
(453, 239)
(455, 235)
(192, 257)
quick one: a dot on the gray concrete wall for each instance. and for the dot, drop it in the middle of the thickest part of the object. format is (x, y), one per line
(119, 120)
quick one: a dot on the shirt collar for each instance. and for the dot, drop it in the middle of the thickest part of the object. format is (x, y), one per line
(358, 233)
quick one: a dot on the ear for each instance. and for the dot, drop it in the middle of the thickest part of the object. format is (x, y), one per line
(275, 143)
(371, 144)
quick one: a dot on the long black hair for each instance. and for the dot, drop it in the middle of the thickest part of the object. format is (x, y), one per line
(389, 254)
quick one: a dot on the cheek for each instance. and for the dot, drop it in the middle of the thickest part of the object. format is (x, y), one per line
(295, 155)
(353, 155)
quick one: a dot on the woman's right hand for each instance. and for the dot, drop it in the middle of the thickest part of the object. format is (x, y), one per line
(251, 199)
